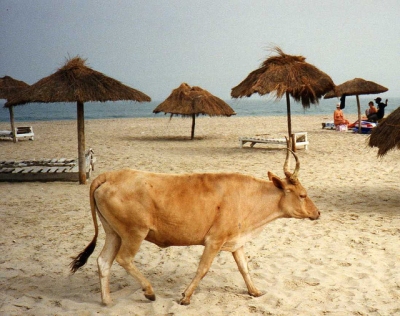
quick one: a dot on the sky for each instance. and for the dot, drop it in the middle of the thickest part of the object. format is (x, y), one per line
(155, 45)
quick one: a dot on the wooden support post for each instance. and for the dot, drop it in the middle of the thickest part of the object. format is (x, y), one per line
(81, 143)
(14, 136)
(193, 125)
(359, 113)
(293, 138)
(289, 118)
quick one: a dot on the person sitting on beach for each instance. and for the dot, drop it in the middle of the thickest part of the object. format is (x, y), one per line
(338, 117)
(371, 112)
(381, 108)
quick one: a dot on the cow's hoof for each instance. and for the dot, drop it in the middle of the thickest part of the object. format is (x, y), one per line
(151, 297)
(256, 293)
(107, 302)
(184, 300)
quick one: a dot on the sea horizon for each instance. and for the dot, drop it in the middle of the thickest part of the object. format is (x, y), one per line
(258, 106)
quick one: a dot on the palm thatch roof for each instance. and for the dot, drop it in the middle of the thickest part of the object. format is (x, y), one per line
(386, 136)
(186, 101)
(288, 75)
(283, 74)
(356, 86)
(191, 102)
(10, 86)
(76, 82)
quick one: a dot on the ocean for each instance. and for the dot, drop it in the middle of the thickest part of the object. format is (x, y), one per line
(253, 106)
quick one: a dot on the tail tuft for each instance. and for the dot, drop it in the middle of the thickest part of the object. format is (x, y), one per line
(81, 259)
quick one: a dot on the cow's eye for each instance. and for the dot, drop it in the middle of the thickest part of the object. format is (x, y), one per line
(303, 196)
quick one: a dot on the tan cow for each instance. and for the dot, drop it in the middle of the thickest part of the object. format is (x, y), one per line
(219, 211)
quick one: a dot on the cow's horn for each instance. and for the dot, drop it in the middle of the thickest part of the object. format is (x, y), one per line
(293, 177)
(286, 164)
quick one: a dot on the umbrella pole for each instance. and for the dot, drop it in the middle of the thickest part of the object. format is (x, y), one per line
(193, 124)
(11, 109)
(81, 142)
(289, 119)
(359, 114)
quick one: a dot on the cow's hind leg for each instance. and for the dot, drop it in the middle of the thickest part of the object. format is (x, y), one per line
(105, 260)
(125, 257)
(210, 251)
(241, 262)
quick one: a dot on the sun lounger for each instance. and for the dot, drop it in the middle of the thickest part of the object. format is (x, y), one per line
(328, 125)
(300, 139)
(23, 132)
(366, 127)
(58, 169)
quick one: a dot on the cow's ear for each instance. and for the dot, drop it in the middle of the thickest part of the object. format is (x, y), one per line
(276, 181)
(271, 175)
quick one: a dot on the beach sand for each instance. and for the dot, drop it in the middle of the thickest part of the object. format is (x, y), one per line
(345, 263)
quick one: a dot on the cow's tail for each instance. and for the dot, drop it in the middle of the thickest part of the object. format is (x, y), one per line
(81, 259)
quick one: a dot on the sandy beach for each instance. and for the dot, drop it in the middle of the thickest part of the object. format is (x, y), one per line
(345, 263)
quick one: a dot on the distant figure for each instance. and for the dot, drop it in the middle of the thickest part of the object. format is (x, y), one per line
(342, 101)
(338, 116)
(371, 112)
(381, 108)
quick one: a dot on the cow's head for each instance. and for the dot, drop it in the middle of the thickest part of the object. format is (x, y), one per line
(295, 201)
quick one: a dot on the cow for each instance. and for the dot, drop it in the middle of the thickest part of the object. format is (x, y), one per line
(221, 211)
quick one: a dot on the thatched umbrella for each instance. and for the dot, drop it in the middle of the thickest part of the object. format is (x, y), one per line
(386, 135)
(76, 82)
(193, 101)
(286, 75)
(356, 87)
(8, 87)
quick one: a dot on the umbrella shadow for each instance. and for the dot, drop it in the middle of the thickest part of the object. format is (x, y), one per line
(369, 199)
(164, 138)
(55, 288)
(263, 149)
(230, 146)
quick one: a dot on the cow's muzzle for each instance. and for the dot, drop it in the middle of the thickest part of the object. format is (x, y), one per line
(316, 215)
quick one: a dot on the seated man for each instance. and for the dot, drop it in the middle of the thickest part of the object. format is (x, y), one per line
(371, 112)
(338, 116)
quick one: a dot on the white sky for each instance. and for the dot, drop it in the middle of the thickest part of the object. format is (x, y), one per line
(155, 45)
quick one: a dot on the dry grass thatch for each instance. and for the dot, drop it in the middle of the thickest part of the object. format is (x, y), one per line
(75, 82)
(188, 101)
(286, 73)
(386, 136)
(356, 86)
(9, 86)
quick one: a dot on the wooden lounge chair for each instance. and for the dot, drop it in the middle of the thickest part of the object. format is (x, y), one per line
(301, 140)
(23, 132)
(57, 169)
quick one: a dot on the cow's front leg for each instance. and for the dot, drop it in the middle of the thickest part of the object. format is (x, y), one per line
(209, 253)
(241, 262)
